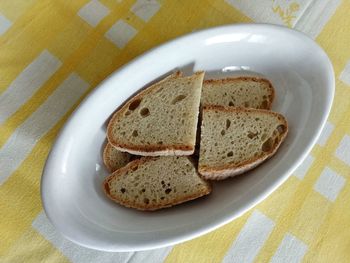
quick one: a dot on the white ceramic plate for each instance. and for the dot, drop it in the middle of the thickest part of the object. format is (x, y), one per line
(71, 184)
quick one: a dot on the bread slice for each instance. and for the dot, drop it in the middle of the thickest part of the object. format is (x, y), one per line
(151, 183)
(160, 120)
(235, 140)
(251, 92)
(115, 159)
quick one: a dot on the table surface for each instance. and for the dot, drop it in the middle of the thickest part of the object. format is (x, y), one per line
(53, 53)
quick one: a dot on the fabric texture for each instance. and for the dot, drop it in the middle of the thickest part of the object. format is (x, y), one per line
(53, 53)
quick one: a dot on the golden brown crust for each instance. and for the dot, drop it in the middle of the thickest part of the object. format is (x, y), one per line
(139, 149)
(139, 206)
(271, 90)
(212, 172)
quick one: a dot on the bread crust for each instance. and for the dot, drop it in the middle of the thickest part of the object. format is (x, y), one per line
(143, 207)
(271, 90)
(147, 150)
(230, 170)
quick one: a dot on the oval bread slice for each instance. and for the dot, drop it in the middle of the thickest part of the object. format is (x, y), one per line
(250, 92)
(160, 120)
(152, 183)
(235, 140)
(115, 159)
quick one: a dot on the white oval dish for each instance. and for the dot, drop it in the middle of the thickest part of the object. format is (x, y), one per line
(71, 183)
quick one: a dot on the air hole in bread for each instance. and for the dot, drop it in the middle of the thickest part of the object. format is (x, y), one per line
(178, 99)
(246, 104)
(167, 191)
(281, 128)
(127, 113)
(252, 135)
(231, 103)
(162, 198)
(122, 190)
(216, 144)
(267, 145)
(228, 124)
(146, 201)
(134, 105)
(257, 119)
(143, 190)
(229, 154)
(144, 112)
(135, 133)
(160, 142)
(223, 132)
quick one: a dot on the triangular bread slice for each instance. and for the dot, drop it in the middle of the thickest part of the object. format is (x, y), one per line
(115, 159)
(235, 140)
(152, 183)
(160, 120)
(250, 92)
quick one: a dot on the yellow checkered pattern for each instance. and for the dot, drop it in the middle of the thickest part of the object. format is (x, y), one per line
(83, 41)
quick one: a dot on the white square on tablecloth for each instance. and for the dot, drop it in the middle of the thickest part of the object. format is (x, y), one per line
(329, 184)
(120, 33)
(93, 12)
(4, 24)
(145, 9)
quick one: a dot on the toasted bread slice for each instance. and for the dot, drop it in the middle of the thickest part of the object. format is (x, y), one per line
(152, 183)
(235, 140)
(250, 92)
(115, 159)
(160, 120)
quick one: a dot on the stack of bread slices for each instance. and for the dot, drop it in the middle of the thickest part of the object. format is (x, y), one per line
(153, 139)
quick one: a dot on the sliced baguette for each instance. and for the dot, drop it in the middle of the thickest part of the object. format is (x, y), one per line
(251, 92)
(160, 120)
(235, 140)
(115, 159)
(152, 183)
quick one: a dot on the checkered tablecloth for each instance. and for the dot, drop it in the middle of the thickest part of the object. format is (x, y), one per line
(54, 52)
